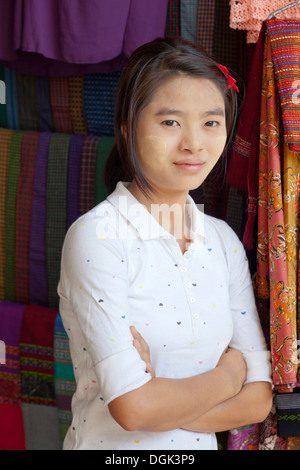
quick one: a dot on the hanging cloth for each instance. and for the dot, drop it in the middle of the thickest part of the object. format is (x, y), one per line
(59, 99)
(249, 15)
(88, 174)
(75, 153)
(104, 147)
(72, 37)
(173, 19)
(275, 268)
(285, 46)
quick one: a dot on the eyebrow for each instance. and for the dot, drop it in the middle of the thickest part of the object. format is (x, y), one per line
(212, 112)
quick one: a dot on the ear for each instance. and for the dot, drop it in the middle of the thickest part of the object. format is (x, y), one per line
(124, 132)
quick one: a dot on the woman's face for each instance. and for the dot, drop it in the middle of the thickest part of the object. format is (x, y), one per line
(181, 134)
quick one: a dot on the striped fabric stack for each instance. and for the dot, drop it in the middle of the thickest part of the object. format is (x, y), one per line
(48, 180)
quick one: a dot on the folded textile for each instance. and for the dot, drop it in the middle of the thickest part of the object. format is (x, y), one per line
(87, 174)
(105, 145)
(37, 254)
(5, 135)
(13, 172)
(12, 436)
(23, 215)
(288, 414)
(41, 427)
(37, 356)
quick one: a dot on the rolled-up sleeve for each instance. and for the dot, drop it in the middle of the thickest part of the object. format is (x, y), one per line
(94, 287)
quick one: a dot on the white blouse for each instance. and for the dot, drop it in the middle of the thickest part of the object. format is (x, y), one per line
(121, 268)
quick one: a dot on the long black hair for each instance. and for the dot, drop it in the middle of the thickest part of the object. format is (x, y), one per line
(148, 67)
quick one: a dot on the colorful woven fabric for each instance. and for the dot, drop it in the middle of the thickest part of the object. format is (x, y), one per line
(173, 19)
(12, 436)
(5, 136)
(288, 414)
(23, 215)
(88, 174)
(77, 105)
(188, 19)
(244, 438)
(99, 93)
(105, 145)
(205, 25)
(242, 170)
(13, 172)
(75, 151)
(277, 212)
(36, 355)
(60, 106)
(285, 46)
(37, 245)
(57, 181)
(65, 384)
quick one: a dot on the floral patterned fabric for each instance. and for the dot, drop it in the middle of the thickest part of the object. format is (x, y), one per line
(277, 228)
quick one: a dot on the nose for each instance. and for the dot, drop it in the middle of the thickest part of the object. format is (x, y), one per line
(191, 141)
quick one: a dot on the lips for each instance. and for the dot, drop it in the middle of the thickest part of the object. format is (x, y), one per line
(189, 165)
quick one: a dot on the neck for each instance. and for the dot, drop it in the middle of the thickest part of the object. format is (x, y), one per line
(169, 209)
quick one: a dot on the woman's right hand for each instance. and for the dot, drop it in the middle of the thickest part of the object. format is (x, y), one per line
(233, 362)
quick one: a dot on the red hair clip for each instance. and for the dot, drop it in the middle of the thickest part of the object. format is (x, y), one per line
(231, 80)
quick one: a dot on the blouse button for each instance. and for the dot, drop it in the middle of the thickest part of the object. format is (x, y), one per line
(196, 315)
(188, 284)
(192, 299)
(184, 270)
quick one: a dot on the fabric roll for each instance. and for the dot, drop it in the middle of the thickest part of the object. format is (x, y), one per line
(76, 104)
(205, 25)
(173, 19)
(87, 174)
(99, 93)
(37, 248)
(43, 104)
(105, 145)
(23, 215)
(5, 137)
(13, 172)
(65, 384)
(37, 356)
(60, 107)
(75, 151)
(12, 434)
(57, 182)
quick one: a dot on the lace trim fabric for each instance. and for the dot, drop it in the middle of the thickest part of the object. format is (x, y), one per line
(249, 14)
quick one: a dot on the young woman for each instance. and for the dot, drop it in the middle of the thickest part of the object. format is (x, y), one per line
(146, 268)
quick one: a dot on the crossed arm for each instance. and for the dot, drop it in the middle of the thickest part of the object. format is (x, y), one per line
(164, 404)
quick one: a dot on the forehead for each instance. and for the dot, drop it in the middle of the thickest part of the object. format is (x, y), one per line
(186, 90)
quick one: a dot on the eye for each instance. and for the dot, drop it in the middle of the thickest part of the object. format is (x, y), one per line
(170, 123)
(212, 123)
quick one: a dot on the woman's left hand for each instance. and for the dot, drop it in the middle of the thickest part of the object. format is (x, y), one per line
(143, 349)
